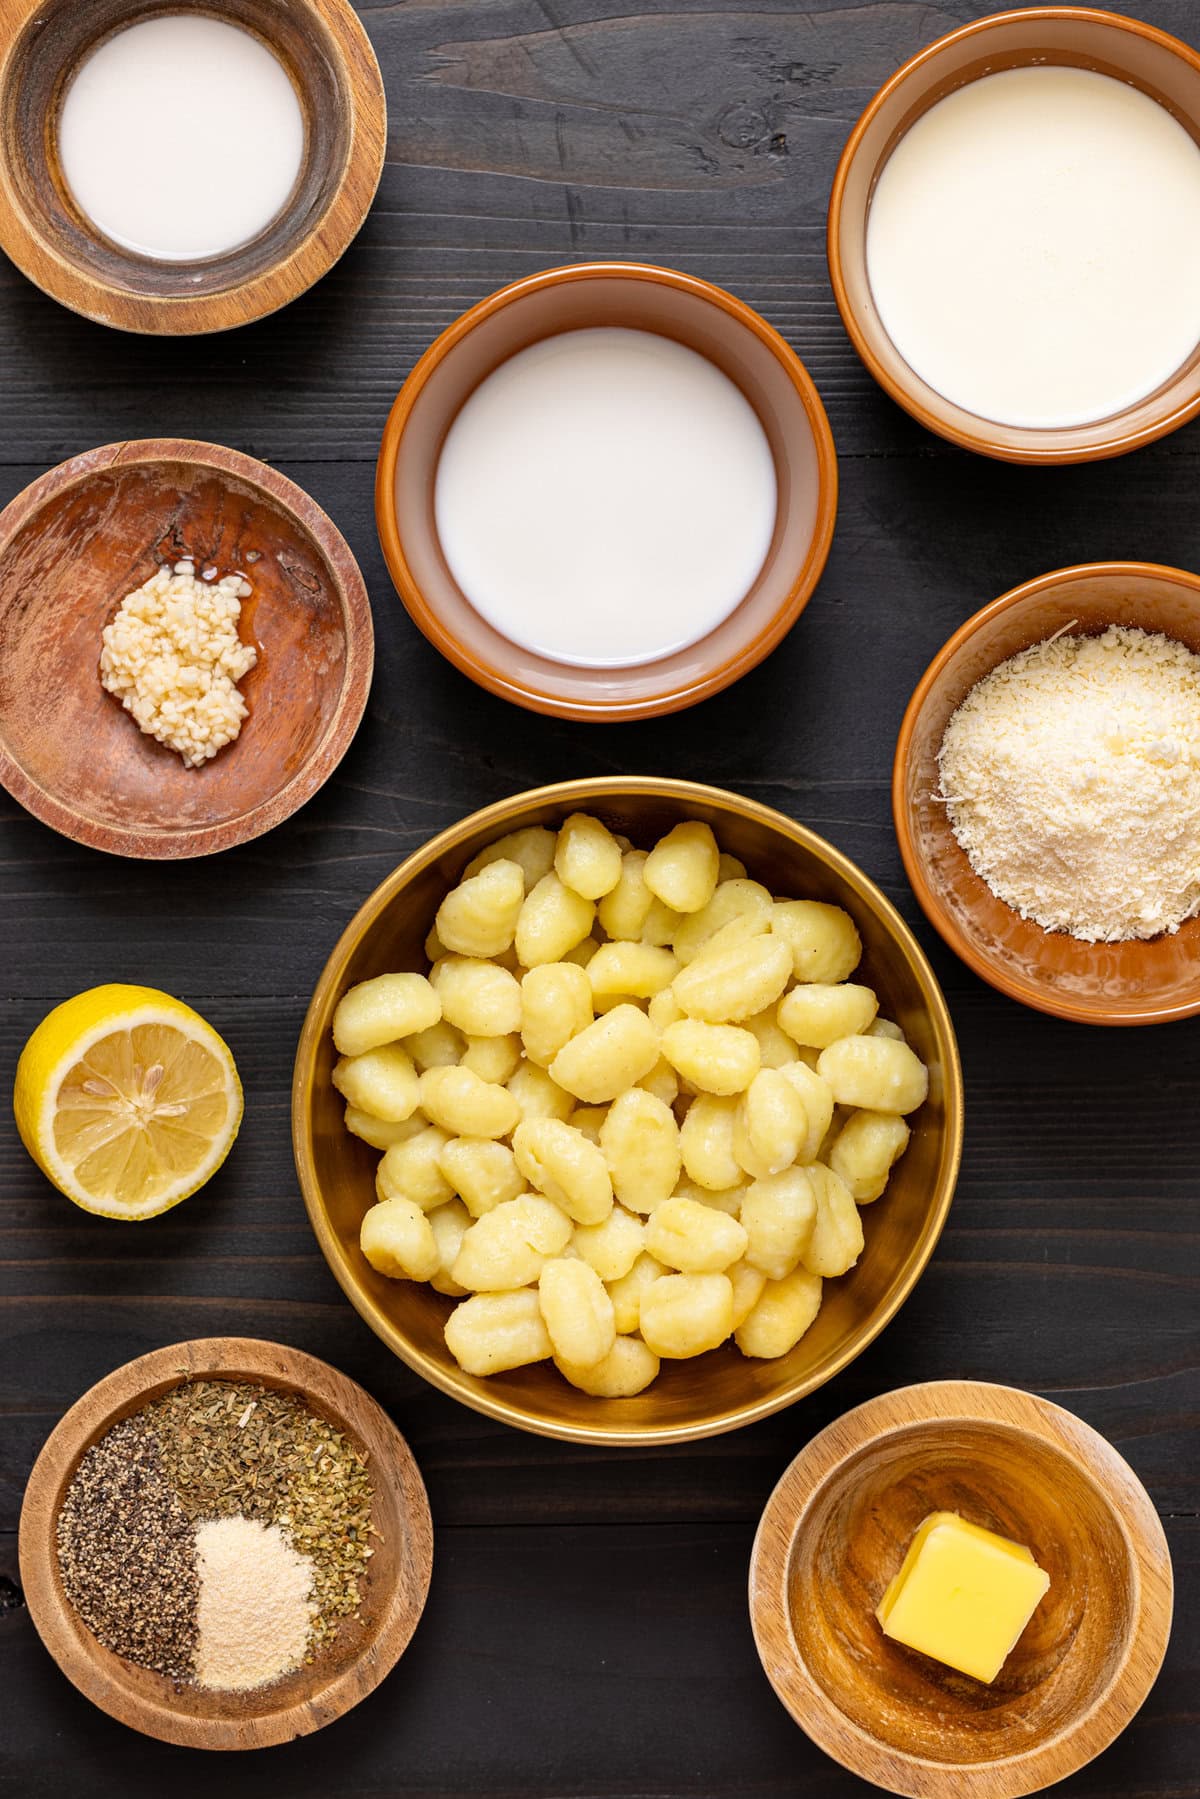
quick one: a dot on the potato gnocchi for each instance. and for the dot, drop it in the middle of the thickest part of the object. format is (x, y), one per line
(632, 1111)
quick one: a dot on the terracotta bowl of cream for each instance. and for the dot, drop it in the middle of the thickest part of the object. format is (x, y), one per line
(703, 318)
(1094, 983)
(328, 57)
(1162, 66)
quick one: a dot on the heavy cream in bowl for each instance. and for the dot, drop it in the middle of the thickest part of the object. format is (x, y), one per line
(605, 497)
(181, 137)
(1033, 246)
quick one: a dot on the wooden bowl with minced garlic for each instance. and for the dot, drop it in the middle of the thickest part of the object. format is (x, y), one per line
(93, 530)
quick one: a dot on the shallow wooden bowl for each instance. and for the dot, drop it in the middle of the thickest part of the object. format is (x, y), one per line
(1094, 983)
(81, 538)
(639, 297)
(332, 66)
(724, 1389)
(835, 1531)
(1081, 37)
(364, 1650)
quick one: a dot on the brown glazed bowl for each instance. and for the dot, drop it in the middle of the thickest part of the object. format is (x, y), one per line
(1162, 66)
(722, 1390)
(329, 58)
(88, 532)
(704, 318)
(1094, 983)
(836, 1529)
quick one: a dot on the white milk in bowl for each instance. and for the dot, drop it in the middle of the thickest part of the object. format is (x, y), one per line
(181, 137)
(605, 497)
(1033, 246)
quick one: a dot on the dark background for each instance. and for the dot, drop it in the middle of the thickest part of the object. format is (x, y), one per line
(587, 1630)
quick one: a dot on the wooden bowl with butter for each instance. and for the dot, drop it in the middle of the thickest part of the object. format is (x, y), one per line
(835, 1532)
(91, 531)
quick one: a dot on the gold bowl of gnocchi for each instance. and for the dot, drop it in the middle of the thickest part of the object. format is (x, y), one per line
(627, 1111)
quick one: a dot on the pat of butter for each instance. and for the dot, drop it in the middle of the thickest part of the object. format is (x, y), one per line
(963, 1595)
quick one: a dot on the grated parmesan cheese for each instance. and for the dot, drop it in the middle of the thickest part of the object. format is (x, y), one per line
(173, 657)
(1071, 775)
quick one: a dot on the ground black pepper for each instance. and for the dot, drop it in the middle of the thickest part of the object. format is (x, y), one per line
(127, 1553)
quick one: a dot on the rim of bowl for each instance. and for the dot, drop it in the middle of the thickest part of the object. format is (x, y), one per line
(978, 441)
(672, 697)
(945, 1402)
(928, 896)
(324, 241)
(498, 814)
(346, 580)
(324, 1390)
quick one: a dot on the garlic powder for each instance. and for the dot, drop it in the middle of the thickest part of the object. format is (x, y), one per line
(1071, 775)
(173, 657)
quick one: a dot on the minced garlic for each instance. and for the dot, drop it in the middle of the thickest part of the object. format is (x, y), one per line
(173, 657)
(1071, 774)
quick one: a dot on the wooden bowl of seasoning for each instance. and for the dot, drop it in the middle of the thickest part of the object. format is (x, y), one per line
(1098, 827)
(283, 1524)
(712, 1393)
(981, 260)
(255, 199)
(835, 1532)
(686, 359)
(92, 531)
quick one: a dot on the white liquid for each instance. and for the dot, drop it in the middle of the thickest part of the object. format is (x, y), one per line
(1033, 246)
(605, 497)
(181, 137)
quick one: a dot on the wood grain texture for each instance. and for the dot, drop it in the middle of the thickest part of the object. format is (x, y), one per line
(836, 1530)
(92, 530)
(366, 1647)
(1071, 1261)
(338, 83)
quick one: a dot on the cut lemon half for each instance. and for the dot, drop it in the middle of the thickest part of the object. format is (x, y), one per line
(127, 1100)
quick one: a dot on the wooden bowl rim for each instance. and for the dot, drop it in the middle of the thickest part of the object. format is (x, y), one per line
(909, 397)
(568, 795)
(964, 1402)
(327, 238)
(1026, 993)
(346, 579)
(222, 1358)
(674, 696)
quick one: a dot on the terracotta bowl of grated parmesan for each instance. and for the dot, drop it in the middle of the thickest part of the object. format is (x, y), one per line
(267, 673)
(1079, 771)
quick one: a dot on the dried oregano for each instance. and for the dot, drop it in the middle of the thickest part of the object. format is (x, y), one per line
(231, 1447)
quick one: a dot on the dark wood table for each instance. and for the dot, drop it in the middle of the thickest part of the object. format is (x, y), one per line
(587, 1631)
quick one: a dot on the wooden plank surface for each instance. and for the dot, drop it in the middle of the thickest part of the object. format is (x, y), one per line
(587, 1633)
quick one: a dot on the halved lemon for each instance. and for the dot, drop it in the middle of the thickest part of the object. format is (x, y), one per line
(127, 1100)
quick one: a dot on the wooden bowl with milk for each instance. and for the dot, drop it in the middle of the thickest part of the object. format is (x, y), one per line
(269, 160)
(1014, 235)
(607, 491)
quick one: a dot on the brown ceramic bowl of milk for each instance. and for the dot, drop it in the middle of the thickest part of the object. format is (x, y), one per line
(175, 166)
(607, 491)
(1014, 235)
